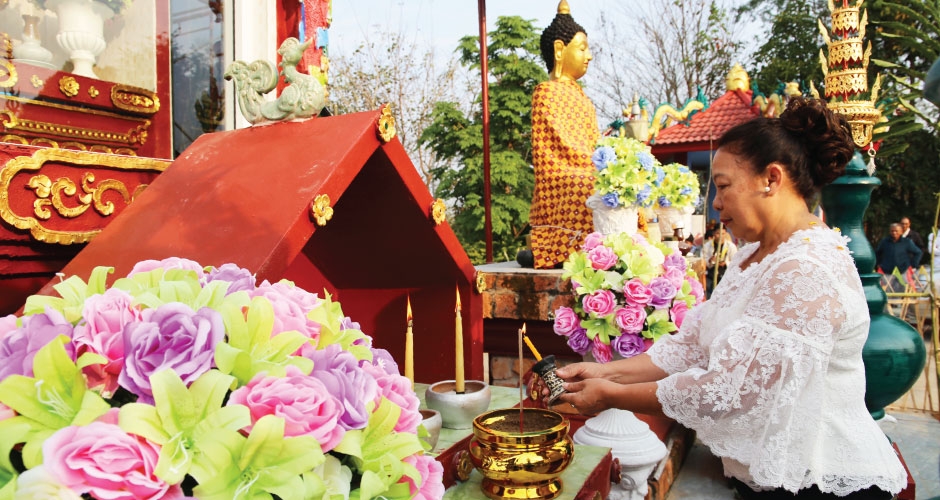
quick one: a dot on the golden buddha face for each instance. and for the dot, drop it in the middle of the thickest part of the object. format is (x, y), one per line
(571, 60)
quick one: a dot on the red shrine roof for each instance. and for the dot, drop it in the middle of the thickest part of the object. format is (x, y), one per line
(731, 109)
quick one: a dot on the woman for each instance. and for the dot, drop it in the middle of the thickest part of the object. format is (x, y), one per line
(769, 371)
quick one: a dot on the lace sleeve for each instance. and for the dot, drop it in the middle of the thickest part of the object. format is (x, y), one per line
(682, 350)
(759, 398)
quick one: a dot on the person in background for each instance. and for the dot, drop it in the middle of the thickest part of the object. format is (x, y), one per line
(717, 252)
(895, 252)
(912, 235)
(933, 244)
(769, 370)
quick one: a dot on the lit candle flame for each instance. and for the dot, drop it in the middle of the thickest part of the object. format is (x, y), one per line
(525, 338)
(458, 300)
(408, 310)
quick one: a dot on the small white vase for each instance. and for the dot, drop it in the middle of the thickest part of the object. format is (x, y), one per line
(30, 50)
(81, 32)
(670, 218)
(612, 220)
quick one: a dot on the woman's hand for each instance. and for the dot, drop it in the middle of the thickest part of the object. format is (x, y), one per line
(588, 396)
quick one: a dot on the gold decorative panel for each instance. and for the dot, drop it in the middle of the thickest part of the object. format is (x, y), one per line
(134, 99)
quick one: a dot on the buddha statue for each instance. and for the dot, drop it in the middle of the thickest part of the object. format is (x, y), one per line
(564, 133)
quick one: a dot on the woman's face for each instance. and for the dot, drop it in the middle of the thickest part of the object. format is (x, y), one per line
(737, 193)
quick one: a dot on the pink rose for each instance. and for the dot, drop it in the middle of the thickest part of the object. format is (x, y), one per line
(106, 462)
(304, 403)
(600, 303)
(291, 305)
(146, 266)
(635, 292)
(100, 332)
(6, 412)
(432, 477)
(697, 289)
(677, 313)
(592, 240)
(630, 318)
(602, 258)
(601, 351)
(7, 324)
(566, 321)
(397, 389)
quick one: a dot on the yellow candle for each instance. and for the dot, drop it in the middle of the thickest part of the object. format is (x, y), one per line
(459, 383)
(535, 352)
(409, 348)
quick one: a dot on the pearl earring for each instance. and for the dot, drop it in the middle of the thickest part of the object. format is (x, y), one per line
(766, 189)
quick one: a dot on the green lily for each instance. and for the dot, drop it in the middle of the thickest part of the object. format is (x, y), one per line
(73, 292)
(250, 349)
(377, 453)
(10, 430)
(659, 325)
(264, 464)
(159, 286)
(55, 397)
(181, 418)
(329, 315)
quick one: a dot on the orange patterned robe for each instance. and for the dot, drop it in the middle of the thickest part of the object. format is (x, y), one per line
(564, 133)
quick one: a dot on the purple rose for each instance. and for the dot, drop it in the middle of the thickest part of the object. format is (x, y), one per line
(239, 278)
(663, 292)
(602, 258)
(630, 318)
(628, 345)
(635, 292)
(566, 321)
(677, 313)
(145, 266)
(171, 336)
(600, 303)
(592, 240)
(602, 156)
(18, 347)
(600, 350)
(382, 359)
(578, 341)
(675, 260)
(339, 371)
(348, 324)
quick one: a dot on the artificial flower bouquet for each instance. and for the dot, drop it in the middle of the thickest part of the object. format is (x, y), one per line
(629, 294)
(184, 382)
(679, 189)
(627, 173)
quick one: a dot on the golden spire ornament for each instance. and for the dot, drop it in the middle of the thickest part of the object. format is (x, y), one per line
(846, 73)
(563, 7)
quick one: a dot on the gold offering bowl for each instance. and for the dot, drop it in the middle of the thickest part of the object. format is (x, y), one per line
(526, 464)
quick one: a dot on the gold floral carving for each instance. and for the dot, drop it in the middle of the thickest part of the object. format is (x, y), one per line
(36, 81)
(57, 195)
(69, 86)
(845, 51)
(845, 19)
(136, 135)
(480, 281)
(846, 82)
(49, 143)
(322, 211)
(386, 124)
(92, 91)
(134, 99)
(8, 74)
(463, 465)
(438, 211)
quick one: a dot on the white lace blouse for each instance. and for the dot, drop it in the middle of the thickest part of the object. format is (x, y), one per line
(769, 372)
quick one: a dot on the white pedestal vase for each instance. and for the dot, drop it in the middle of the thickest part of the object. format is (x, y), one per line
(30, 50)
(81, 32)
(632, 442)
(612, 220)
(670, 218)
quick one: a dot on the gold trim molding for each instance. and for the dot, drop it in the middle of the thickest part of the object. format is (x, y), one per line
(386, 124)
(136, 135)
(8, 74)
(49, 143)
(134, 99)
(54, 194)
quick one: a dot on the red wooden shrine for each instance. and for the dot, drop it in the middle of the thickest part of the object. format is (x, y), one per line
(253, 196)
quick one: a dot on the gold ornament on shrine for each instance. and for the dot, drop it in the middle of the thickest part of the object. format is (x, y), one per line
(438, 211)
(321, 210)
(846, 71)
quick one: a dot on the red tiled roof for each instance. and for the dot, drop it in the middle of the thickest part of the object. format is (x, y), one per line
(727, 111)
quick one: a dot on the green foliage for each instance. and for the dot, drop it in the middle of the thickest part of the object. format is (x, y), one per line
(515, 69)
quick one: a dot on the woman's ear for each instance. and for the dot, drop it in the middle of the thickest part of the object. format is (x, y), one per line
(775, 173)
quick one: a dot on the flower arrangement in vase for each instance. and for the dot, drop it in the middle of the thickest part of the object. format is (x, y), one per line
(629, 293)
(179, 380)
(679, 189)
(627, 173)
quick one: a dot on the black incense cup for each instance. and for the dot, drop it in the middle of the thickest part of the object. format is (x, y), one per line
(546, 371)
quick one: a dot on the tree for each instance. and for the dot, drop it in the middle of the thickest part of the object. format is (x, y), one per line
(394, 71)
(515, 68)
(791, 50)
(673, 48)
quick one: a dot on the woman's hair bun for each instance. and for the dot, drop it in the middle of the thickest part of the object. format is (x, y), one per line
(826, 136)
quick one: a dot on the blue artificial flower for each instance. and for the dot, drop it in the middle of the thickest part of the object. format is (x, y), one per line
(611, 200)
(646, 160)
(643, 197)
(685, 191)
(602, 156)
(664, 202)
(660, 175)
(683, 169)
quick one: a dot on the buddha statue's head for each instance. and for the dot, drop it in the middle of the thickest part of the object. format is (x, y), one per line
(564, 46)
